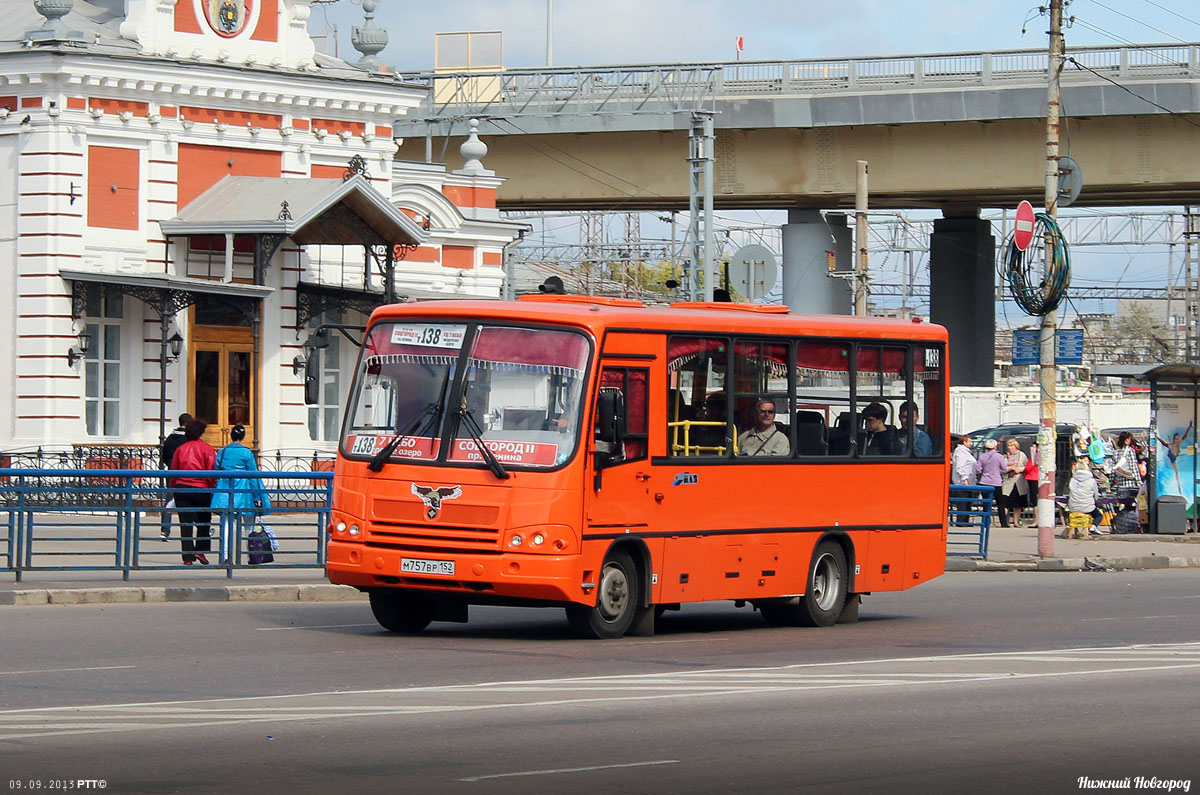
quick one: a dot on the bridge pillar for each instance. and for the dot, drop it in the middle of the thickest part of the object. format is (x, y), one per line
(962, 267)
(808, 237)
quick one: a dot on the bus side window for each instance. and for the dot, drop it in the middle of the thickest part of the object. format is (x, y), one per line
(824, 423)
(927, 394)
(633, 383)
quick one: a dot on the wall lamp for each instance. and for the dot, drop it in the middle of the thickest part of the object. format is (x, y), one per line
(175, 345)
(80, 348)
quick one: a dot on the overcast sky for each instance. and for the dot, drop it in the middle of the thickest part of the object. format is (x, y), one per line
(595, 32)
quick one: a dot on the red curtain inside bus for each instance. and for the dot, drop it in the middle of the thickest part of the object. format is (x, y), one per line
(532, 347)
(868, 360)
(831, 357)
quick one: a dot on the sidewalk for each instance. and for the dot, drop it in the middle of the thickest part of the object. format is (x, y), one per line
(1010, 549)
(1015, 549)
(107, 587)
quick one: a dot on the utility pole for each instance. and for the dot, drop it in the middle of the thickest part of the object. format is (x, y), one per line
(1047, 372)
(1191, 249)
(549, 32)
(700, 203)
(860, 241)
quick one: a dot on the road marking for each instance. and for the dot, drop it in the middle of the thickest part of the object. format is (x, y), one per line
(601, 691)
(319, 626)
(572, 770)
(1129, 618)
(66, 670)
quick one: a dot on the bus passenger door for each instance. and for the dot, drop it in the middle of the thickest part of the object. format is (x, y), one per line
(625, 496)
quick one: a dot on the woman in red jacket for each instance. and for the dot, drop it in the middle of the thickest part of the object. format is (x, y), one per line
(194, 495)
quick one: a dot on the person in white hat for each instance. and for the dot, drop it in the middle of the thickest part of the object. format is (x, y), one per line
(991, 473)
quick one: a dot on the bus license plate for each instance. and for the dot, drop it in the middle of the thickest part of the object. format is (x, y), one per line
(420, 566)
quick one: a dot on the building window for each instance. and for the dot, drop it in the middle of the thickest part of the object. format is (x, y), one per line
(102, 366)
(324, 417)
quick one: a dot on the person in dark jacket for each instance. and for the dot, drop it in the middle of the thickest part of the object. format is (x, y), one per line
(193, 495)
(879, 438)
(169, 446)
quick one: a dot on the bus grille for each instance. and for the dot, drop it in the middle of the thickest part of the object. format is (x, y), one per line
(439, 538)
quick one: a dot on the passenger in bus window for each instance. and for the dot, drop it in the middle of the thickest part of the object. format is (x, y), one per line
(922, 444)
(879, 437)
(764, 438)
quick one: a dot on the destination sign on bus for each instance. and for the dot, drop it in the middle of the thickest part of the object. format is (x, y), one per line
(506, 451)
(410, 447)
(428, 335)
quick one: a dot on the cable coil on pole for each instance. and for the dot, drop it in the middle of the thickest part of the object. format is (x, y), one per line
(1038, 277)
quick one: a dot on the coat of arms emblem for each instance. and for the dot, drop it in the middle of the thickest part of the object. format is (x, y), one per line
(227, 17)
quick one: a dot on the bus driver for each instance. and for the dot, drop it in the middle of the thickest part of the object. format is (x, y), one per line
(765, 438)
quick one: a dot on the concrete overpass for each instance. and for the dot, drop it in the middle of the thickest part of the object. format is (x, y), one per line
(956, 131)
(947, 130)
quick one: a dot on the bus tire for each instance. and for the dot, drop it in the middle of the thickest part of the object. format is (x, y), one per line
(402, 611)
(618, 596)
(825, 591)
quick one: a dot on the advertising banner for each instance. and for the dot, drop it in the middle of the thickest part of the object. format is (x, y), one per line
(1175, 449)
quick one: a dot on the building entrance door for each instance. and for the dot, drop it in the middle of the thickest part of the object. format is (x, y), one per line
(222, 381)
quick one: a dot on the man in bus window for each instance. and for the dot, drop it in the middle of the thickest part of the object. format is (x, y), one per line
(764, 438)
(922, 444)
(879, 437)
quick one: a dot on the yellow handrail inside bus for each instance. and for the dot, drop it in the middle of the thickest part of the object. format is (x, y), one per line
(687, 448)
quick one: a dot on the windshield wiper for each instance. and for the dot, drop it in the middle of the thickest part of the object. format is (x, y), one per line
(430, 415)
(468, 421)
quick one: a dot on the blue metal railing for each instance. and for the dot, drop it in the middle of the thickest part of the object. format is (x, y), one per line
(970, 520)
(112, 520)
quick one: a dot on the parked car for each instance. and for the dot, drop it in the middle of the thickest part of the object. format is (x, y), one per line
(1026, 434)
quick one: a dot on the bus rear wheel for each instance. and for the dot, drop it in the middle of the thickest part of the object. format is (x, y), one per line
(617, 599)
(402, 611)
(824, 593)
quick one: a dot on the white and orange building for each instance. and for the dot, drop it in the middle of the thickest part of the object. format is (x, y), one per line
(192, 175)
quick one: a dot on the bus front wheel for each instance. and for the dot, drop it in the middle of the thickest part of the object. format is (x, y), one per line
(617, 599)
(402, 611)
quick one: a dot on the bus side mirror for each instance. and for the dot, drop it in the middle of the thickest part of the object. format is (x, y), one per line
(610, 427)
(312, 378)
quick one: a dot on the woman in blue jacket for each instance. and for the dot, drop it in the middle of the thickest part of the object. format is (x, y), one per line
(247, 494)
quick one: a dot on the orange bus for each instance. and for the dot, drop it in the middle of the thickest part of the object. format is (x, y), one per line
(619, 460)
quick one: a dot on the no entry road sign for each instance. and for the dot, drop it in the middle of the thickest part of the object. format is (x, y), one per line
(1023, 231)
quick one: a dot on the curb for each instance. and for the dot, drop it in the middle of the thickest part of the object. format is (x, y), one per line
(217, 593)
(1075, 564)
(315, 592)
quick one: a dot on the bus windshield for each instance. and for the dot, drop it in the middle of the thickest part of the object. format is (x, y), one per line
(434, 383)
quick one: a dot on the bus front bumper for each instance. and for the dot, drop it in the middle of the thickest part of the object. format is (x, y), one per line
(509, 575)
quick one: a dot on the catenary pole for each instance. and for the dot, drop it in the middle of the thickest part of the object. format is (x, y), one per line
(860, 240)
(1047, 372)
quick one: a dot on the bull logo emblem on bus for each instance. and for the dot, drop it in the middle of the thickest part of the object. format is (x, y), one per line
(432, 497)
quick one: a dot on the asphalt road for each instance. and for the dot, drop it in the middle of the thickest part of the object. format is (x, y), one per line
(996, 682)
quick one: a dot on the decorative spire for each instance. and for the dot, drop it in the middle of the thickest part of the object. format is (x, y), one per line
(369, 40)
(473, 151)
